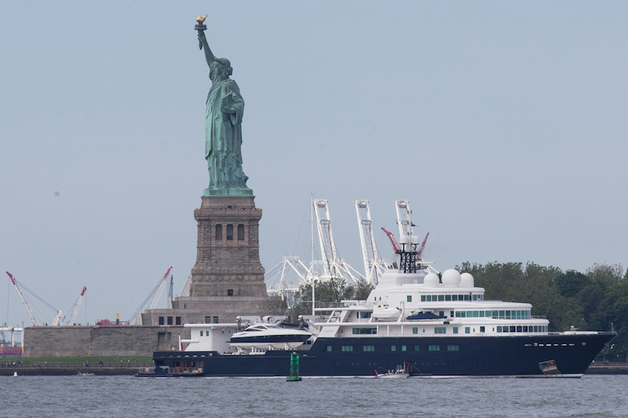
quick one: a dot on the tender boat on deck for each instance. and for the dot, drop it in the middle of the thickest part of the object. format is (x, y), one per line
(269, 337)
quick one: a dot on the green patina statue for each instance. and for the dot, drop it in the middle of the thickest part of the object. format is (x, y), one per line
(223, 126)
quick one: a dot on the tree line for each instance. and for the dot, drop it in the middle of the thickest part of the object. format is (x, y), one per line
(595, 300)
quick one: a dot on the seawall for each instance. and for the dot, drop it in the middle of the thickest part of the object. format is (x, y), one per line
(68, 341)
(69, 371)
(607, 370)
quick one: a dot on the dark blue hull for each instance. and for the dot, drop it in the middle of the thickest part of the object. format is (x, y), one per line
(517, 355)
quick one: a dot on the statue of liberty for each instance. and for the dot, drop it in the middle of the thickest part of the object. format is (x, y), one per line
(223, 126)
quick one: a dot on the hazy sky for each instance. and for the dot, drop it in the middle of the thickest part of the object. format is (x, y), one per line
(503, 124)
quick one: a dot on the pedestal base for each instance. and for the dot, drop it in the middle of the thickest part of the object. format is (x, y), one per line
(228, 277)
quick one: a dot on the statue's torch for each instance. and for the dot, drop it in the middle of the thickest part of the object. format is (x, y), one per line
(200, 27)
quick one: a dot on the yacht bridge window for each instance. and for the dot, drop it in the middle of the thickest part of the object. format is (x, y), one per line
(454, 298)
(508, 314)
(522, 328)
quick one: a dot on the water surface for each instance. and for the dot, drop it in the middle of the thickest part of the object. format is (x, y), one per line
(125, 396)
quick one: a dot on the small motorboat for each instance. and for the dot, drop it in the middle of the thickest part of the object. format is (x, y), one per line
(399, 373)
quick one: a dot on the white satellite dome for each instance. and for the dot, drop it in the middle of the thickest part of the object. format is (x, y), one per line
(404, 239)
(466, 280)
(414, 240)
(451, 278)
(430, 280)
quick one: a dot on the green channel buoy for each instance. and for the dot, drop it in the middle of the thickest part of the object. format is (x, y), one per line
(294, 369)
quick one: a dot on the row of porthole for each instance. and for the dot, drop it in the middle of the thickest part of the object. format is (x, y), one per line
(427, 363)
(552, 345)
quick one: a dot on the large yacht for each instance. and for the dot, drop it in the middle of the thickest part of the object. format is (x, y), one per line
(428, 324)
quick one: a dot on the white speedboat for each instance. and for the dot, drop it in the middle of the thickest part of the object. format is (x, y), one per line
(269, 337)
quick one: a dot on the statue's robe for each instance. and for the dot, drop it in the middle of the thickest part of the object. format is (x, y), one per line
(223, 136)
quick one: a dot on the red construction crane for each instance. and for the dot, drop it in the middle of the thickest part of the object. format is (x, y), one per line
(24, 301)
(154, 297)
(76, 307)
(394, 242)
(160, 290)
(58, 320)
(422, 246)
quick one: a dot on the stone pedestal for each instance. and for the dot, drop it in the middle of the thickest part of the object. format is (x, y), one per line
(227, 256)
(228, 277)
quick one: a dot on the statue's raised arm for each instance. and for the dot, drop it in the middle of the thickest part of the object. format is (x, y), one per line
(202, 40)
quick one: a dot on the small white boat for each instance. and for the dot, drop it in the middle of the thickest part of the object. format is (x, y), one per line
(14, 374)
(385, 311)
(398, 373)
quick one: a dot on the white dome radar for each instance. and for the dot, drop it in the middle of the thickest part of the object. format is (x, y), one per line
(466, 280)
(430, 280)
(451, 278)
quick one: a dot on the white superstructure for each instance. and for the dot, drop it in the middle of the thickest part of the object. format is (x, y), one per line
(422, 304)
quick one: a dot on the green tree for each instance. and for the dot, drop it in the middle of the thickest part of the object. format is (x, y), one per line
(361, 290)
(541, 290)
(606, 301)
(532, 283)
(328, 291)
(276, 305)
(571, 283)
(601, 298)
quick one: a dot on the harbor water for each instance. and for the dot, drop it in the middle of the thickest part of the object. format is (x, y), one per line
(126, 396)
